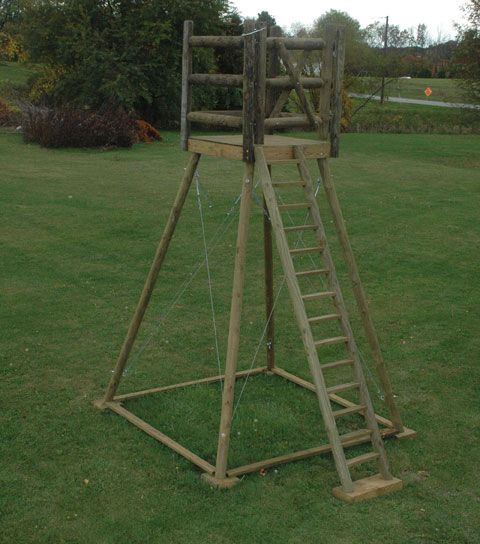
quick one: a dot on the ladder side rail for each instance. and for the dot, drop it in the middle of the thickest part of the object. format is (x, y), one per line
(339, 303)
(302, 321)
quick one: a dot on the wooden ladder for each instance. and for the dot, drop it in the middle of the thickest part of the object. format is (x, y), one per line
(349, 488)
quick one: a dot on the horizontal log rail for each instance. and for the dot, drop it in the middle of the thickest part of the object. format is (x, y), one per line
(236, 80)
(215, 119)
(295, 121)
(222, 80)
(305, 44)
(285, 82)
(234, 121)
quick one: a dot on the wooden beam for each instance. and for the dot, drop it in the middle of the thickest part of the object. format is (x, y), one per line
(164, 439)
(347, 442)
(186, 88)
(152, 277)
(215, 119)
(269, 286)
(298, 121)
(336, 97)
(340, 307)
(297, 85)
(284, 95)
(249, 89)
(358, 291)
(219, 80)
(286, 83)
(234, 326)
(165, 388)
(307, 44)
(302, 320)
(406, 433)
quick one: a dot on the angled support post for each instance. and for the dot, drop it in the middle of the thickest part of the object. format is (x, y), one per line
(358, 291)
(151, 280)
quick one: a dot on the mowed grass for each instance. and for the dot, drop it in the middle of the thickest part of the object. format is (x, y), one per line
(14, 73)
(444, 90)
(78, 233)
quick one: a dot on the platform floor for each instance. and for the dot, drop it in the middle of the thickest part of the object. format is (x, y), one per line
(276, 148)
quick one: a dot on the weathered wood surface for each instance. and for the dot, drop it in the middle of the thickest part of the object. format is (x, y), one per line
(215, 119)
(186, 88)
(307, 44)
(336, 97)
(368, 488)
(234, 326)
(276, 148)
(220, 80)
(302, 321)
(250, 73)
(164, 439)
(359, 292)
(260, 85)
(201, 381)
(286, 82)
(340, 308)
(152, 276)
(295, 79)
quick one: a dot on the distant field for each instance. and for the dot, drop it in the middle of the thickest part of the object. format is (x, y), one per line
(445, 90)
(14, 73)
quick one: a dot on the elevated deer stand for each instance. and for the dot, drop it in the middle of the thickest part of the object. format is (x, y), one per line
(265, 92)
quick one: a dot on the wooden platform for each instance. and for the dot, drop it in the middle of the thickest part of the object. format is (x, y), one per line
(276, 148)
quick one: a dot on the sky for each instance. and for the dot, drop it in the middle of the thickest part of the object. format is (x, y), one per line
(438, 15)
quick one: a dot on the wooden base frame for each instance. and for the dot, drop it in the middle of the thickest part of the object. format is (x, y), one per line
(361, 492)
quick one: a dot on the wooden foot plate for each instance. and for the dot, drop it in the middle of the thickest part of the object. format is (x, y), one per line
(368, 488)
(219, 483)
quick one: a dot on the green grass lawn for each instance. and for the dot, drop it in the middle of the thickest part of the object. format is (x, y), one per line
(14, 73)
(444, 90)
(78, 233)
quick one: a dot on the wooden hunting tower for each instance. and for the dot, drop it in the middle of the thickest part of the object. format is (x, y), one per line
(273, 72)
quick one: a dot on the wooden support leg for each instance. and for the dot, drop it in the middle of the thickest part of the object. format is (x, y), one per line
(234, 331)
(151, 279)
(269, 295)
(358, 291)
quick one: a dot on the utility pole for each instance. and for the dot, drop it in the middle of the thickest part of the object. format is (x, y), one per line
(385, 44)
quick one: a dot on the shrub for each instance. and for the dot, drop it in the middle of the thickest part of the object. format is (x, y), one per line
(67, 127)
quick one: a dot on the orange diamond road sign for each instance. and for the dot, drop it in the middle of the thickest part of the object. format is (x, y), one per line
(428, 91)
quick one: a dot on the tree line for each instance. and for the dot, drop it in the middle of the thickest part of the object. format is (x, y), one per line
(128, 52)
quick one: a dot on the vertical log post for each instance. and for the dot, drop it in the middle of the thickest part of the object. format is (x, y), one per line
(151, 278)
(249, 90)
(337, 81)
(326, 73)
(273, 70)
(358, 292)
(234, 328)
(186, 85)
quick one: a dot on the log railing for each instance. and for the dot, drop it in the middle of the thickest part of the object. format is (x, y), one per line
(261, 93)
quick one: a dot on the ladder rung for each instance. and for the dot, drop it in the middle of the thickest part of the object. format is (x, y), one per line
(331, 341)
(355, 435)
(288, 183)
(342, 387)
(322, 318)
(304, 250)
(336, 364)
(318, 296)
(365, 458)
(305, 273)
(350, 410)
(299, 227)
(294, 206)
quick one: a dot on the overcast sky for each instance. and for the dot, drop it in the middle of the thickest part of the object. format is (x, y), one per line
(438, 15)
